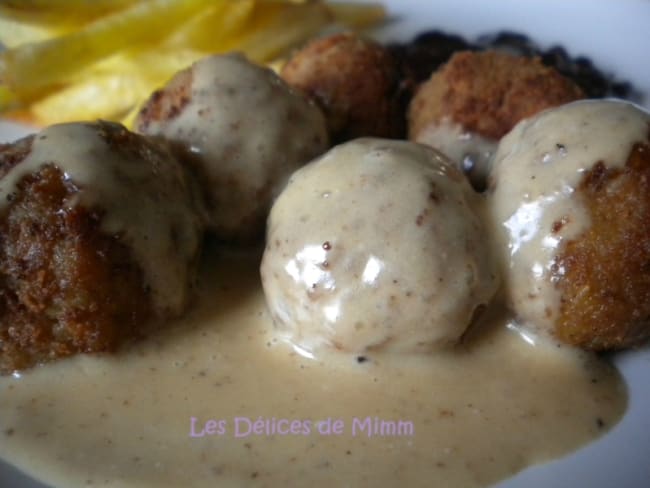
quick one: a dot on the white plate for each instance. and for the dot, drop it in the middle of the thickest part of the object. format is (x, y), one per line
(615, 35)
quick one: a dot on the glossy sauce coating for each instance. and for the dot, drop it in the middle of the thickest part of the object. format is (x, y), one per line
(538, 167)
(471, 152)
(377, 246)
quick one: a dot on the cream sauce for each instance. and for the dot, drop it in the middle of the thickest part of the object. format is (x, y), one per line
(537, 168)
(472, 152)
(479, 413)
(377, 245)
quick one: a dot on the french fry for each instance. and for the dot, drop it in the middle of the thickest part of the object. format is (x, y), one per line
(13, 33)
(64, 6)
(358, 15)
(107, 67)
(8, 99)
(111, 88)
(128, 120)
(55, 13)
(32, 67)
(102, 96)
(210, 28)
(277, 26)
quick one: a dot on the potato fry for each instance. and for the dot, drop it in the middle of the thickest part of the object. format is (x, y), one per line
(358, 15)
(13, 33)
(66, 6)
(156, 66)
(108, 96)
(60, 70)
(112, 88)
(32, 67)
(208, 30)
(275, 27)
(8, 99)
(54, 13)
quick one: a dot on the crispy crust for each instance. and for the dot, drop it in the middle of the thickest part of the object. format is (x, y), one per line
(12, 154)
(604, 275)
(488, 93)
(166, 103)
(65, 287)
(354, 81)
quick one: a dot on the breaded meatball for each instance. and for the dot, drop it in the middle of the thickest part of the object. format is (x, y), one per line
(477, 97)
(355, 81)
(570, 195)
(376, 246)
(604, 275)
(99, 234)
(488, 93)
(243, 131)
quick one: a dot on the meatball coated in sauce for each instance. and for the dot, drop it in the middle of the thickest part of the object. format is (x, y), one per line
(355, 81)
(376, 246)
(98, 235)
(570, 191)
(243, 130)
(477, 97)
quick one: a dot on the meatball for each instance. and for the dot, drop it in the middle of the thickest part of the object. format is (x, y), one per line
(570, 193)
(243, 130)
(99, 234)
(477, 97)
(355, 81)
(376, 246)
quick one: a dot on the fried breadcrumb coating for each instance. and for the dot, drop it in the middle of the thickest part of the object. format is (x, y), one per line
(488, 93)
(98, 237)
(355, 81)
(605, 273)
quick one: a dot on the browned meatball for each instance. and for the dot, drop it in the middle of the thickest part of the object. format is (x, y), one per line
(477, 97)
(76, 275)
(488, 93)
(243, 130)
(569, 197)
(605, 280)
(355, 81)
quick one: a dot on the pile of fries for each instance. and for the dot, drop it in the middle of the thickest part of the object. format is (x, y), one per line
(87, 59)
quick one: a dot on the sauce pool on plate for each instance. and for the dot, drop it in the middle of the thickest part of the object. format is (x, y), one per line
(214, 399)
